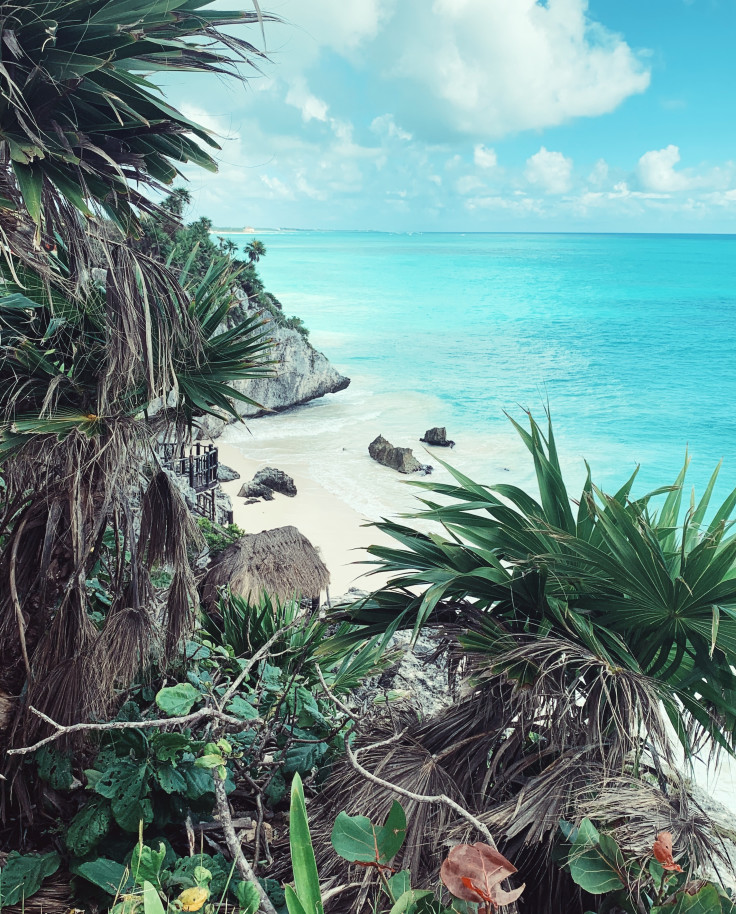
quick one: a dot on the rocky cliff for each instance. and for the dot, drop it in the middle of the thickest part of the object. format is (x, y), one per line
(301, 374)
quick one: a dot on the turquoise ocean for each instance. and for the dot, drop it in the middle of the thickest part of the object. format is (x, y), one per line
(630, 339)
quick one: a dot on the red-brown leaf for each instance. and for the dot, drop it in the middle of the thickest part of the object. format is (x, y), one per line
(473, 872)
(662, 851)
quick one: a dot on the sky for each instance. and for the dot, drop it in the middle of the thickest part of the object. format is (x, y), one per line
(476, 115)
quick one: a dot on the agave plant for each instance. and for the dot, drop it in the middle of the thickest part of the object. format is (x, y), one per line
(83, 125)
(594, 634)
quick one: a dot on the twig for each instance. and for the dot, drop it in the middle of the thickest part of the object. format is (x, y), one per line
(261, 652)
(334, 699)
(191, 840)
(204, 713)
(16, 601)
(233, 845)
(330, 893)
(409, 794)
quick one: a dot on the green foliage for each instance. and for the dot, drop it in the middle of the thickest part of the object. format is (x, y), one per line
(82, 113)
(639, 587)
(178, 700)
(109, 875)
(248, 897)
(22, 875)
(597, 865)
(305, 896)
(54, 767)
(218, 537)
(595, 861)
(357, 840)
(307, 641)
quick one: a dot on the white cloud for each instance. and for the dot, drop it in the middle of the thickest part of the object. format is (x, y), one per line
(385, 125)
(657, 171)
(550, 170)
(500, 66)
(311, 107)
(484, 157)
(599, 175)
(467, 184)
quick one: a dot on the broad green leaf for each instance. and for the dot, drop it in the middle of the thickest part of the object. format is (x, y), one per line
(109, 875)
(248, 897)
(124, 784)
(22, 875)
(302, 757)
(706, 901)
(55, 768)
(89, 826)
(399, 883)
(168, 746)
(407, 902)
(242, 708)
(358, 840)
(146, 863)
(151, 900)
(170, 780)
(595, 861)
(178, 700)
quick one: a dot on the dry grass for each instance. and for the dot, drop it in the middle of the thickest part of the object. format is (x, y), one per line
(282, 562)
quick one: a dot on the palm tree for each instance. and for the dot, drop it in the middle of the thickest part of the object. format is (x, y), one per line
(590, 634)
(86, 498)
(94, 371)
(255, 250)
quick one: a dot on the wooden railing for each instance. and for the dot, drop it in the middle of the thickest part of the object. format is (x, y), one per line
(199, 467)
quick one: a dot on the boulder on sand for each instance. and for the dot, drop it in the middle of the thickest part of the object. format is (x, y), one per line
(437, 437)
(398, 458)
(266, 482)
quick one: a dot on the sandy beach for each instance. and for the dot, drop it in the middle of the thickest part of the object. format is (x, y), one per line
(336, 529)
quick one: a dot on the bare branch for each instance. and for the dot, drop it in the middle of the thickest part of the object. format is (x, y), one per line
(409, 794)
(203, 714)
(233, 844)
(334, 699)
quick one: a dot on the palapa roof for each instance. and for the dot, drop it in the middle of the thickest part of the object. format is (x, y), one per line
(282, 562)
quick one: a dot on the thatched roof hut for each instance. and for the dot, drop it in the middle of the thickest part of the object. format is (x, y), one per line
(281, 562)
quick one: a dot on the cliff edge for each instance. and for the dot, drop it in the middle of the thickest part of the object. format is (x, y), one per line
(302, 374)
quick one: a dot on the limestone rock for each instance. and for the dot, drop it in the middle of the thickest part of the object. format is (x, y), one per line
(226, 474)
(301, 374)
(437, 437)
(266, 482)
(398, 458)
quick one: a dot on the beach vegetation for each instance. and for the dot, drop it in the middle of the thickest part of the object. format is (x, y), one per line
(104, 350)
(593, 635)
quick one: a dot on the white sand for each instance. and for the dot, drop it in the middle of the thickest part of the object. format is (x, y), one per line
(332, 526)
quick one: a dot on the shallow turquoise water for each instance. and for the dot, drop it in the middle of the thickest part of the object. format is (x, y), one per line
(631, 338)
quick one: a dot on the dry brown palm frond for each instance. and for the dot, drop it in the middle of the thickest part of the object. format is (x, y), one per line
(634, 810)
(120, 651)
(66, 495)
(405, 763)
(576, 698)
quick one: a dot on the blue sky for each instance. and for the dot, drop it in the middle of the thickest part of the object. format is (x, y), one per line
(478, 115)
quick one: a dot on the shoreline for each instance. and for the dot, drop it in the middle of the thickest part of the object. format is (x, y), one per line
(336, 529)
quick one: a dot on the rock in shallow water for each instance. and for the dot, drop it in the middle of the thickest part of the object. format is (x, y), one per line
(398, 458)
(437, 437)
